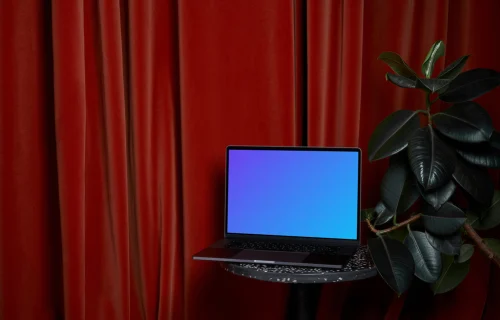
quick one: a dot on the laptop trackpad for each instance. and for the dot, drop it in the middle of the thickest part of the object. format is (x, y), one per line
(271, 256)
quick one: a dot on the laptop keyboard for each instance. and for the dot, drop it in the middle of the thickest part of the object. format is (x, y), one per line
(277, 246)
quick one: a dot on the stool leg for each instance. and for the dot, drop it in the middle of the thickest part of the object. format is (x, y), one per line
(303, 301)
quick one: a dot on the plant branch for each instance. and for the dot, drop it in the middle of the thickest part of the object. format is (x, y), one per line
(435, 100)
(481, 245)
(428, 104)
(397, 226)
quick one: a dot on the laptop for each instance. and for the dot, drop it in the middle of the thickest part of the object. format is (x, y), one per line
(297, 206)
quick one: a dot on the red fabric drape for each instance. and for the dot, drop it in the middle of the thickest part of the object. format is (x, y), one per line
(114, 116)
(348, 97)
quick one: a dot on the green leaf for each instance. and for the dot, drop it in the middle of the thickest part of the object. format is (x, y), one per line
(398, 189)
(470, 85)
(466, 252)
(398, 234)
(431, 160)
(401, 81)
(432, 85)
(367, 214)
(427, 259)
(452, 275)
(475, 181)
(437, 197)
(397, 64)
(383, 214)
(436, 52)
(392, 134)
(495, 140)
(465, 122)
(453, 69)
(490, 217)
(493, 244)
(393, 261)
(449, 245)
(488, 158)
(445, 222)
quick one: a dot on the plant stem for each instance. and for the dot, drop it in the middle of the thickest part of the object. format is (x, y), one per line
(428, 104)
(402, 224)
(481, 245)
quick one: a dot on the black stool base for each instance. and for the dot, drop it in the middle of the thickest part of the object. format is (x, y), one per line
(303, 301)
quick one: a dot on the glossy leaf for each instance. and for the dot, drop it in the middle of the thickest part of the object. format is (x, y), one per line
(398, 189)
(397, 64)
(384, 215)
(495, 140)
(466, 252)
(489, 217)
(436, 52)
(487, 160)
(465, 122)
(427, 259)
(452, 275)
(401, 81)
(432, 85)
(449, 245)
(393, 261)
(432, 161)
(494, 245)
(445, 222)
(475, 181)
(398, 234)
(392, 134)
(453, 69)
(470, 85)
(437, 197)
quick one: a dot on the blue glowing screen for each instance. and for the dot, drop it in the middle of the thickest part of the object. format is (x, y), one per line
(302, 193)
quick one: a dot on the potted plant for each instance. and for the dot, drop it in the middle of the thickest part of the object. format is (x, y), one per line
(453, 150)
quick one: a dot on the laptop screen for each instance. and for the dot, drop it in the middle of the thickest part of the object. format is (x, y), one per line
(293, 192)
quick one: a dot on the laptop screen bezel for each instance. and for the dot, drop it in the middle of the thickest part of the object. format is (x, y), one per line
(330, 241)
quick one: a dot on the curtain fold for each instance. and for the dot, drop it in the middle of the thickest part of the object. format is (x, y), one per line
(348, 97)
(115, 115)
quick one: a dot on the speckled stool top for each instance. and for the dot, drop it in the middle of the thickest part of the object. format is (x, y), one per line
(359, 267)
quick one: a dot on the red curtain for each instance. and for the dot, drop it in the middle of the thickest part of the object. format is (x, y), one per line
(114, 117)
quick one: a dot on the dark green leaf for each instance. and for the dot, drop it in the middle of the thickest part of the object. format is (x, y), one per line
(475, 181)
(466, 251)
(494, 245)
(437, 197)
(495, 140)
(383, 214)
(392, 134)
(490, 217)
(397, 64)
(427, 259)
(393, 261)
(432, 85)
(401, 81)
(471, 84)
(488, 159)
(398, 189)
(465, 122)
(452, 275)
(449, 245)
(471, 217)
(453, 69)
(431, 160)
(398, 234)
(436, 52)
(445, 222)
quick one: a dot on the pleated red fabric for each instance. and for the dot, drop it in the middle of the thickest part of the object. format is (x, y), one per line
(348, 97)
(115, 115)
